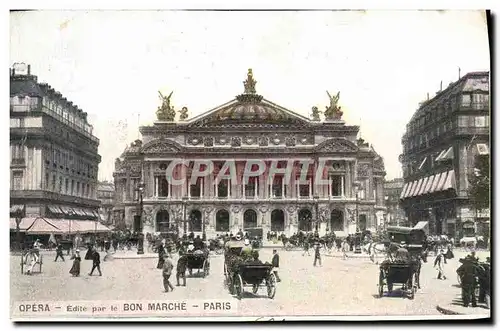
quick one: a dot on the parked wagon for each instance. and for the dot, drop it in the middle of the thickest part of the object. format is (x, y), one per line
(198, 260)
(255, 276)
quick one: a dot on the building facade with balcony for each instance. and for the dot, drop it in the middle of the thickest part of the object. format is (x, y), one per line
(53, 154)
(395, 213)
(106, 195)
(247, 128)
(441, 142)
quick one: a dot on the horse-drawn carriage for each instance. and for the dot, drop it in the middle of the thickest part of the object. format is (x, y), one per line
(240, 273)
(199, 260)
(406, 251)
(30, 259)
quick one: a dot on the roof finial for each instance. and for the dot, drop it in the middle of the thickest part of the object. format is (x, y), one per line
(250, 83)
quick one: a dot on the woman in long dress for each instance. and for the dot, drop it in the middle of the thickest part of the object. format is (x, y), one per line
(161, 256)
(75, 269)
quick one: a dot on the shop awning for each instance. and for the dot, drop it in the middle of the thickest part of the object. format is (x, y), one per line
(25, 223)
(42, 226)
(55, 209)
(422, 187)
(450, 181)
(422, 164)
(417, 188)
(412, 187)
(403, 191)
(440, 155)
(442, 179)
(429, 185)
(435, 184)
(14, 209)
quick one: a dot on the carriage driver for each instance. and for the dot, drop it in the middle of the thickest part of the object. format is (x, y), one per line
(402, 253)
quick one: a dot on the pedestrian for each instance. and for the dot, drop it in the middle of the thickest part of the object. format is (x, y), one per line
(467, 273)
(276, 264)
(59, 252)
(317, 254)
(345, 248)
(96, 262)
(168, 266)
(181, 268)
(306, 247)
(439, 264)
(161, 254)
(75, 268)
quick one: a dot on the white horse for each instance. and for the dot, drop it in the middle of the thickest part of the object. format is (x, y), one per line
(469, 242)
(374, 249)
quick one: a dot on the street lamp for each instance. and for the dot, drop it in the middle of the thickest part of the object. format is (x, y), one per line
(184, 203)
(316, 206)
(357, 249)
(140, 242)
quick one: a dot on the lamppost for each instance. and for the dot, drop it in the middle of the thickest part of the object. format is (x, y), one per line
(357, 243)
(184, 203)
(316, 206)
(140, 242)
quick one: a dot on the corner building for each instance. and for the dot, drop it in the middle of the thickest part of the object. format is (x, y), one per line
(441, 142)
(53, 154)
(250, 127)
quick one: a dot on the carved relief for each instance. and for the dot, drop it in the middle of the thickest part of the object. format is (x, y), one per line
(236, 142)
(250, 140)
(276, 140)
(194, 141)
(337, 145)
(222, 141)
(351, 215)
(290, 141)
(263, 209)
(208, 141)
(160, 147)
(363, 170)
(263, 141)
(338, 166)
(291, 209)
(235, 209)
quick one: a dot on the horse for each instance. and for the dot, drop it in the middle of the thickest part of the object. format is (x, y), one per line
(34, 257)
(374, 249)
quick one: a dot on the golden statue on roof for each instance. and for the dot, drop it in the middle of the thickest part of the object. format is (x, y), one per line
(333, 111)
(250, 83)
(165, 112)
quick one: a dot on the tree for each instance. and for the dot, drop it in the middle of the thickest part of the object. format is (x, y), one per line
(479, 183)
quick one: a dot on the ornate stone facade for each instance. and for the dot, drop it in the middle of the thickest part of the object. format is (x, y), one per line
(251, 127)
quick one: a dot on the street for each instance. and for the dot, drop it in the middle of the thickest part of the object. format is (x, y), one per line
(339, 287)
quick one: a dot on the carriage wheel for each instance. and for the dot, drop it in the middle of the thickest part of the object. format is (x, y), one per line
(40, 262)
(22, 263)
(238, 287)
(271, 286)
(412, 287)
(380, 290)
(255, 288)
(206, 268)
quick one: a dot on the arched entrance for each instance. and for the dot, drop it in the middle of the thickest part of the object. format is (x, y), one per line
(362, 222)
(249, 219)
(336, 220)
(162, 221)
(194, 221)
(305, 220)
(222, 220)
(277, 220)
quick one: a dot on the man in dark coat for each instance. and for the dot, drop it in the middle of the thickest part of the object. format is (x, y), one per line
(467, 273)
(276, 264)
(59, 252)
(181, 268)
(96, 262)
(317, 254)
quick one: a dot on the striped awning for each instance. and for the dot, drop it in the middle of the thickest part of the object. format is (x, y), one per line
(403, 191)
(417, 187)
(450, 183)
(55, 209)
(422, 187)
(429, 184)
(435, 184)
(16, 209)
(410, 188)
(448, 155)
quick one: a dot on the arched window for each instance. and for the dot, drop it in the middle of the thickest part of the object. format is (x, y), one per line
(162, 221)
(336, 220)
(249, 219)
(305, 220)
(222, 220)
(277, 220)
(195, 221)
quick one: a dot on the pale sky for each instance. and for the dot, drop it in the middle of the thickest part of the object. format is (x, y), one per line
(112, 64)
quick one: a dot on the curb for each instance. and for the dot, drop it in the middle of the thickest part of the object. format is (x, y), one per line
(445, 311)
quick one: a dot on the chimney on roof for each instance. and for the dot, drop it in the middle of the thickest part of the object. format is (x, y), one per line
(427, 96)
(29, 69)
(13, 72)
(441, 86)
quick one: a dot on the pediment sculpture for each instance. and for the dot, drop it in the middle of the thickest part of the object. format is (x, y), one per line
(160, 147)
(337, 145)
(333, 111)
(165, 112)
